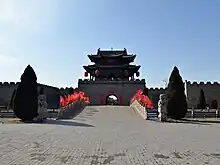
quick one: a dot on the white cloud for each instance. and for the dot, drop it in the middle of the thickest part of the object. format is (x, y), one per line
(31, 15)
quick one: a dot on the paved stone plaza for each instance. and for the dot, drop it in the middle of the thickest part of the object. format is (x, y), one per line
(109, 135)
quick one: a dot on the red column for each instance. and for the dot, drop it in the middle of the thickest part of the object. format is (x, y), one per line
(121, 98)
(101, 96)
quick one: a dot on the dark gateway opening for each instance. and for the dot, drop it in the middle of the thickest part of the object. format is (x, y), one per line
(111, 100)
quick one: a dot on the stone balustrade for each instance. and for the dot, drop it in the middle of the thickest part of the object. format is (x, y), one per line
(141, 110)
(199, 113)
(191, 113)
(67, 112)
(71, 110)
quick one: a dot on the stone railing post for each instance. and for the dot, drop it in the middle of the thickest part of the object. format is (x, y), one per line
(192, 113)
(146, 112)
(217, 113)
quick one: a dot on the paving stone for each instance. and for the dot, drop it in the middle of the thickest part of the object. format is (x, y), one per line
(109, 135)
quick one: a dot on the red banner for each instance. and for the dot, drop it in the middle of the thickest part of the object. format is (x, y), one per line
(121, 98)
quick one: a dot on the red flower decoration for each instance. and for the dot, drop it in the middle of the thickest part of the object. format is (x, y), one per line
(75, 96)
(142, 99)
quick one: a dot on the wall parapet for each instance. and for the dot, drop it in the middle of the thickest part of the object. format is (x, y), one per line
(157, 89)
(201, 83)
(7, 84)
(87, 81)
(48, 86)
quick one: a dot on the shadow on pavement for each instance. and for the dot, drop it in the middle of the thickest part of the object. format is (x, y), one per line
(201, 120)
(48, 121)
(196, 121)
(184, 121)
(72, 112)
(67, 123)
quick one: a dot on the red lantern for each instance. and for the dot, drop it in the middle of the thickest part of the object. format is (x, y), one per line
(97, 72)
(86, 74)
(138, 74)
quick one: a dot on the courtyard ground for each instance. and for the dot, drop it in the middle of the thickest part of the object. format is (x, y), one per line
(110, 135)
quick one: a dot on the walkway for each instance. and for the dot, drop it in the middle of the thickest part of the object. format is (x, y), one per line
(109, 135)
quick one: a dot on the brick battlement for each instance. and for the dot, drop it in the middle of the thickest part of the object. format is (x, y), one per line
(211, 90)
(8, 83)
(157, 89)
(201, 83)
(13, 84)
(86, 81)
(7, 88)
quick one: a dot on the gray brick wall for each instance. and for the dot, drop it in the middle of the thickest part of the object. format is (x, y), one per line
(211, 90)
(52, 93)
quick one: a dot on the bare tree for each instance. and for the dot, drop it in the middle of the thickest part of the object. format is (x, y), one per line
(165, 82)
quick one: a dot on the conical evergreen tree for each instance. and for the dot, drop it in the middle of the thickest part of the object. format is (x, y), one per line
(177, 104)
(26, 98)
(202, 101)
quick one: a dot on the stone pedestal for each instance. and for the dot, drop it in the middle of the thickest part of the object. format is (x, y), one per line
(71, 110)
(162, 108)
(140, 109)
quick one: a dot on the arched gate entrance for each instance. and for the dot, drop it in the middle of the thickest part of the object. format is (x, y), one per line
(111, 99)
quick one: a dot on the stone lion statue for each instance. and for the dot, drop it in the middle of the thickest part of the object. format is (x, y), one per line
(42, 105)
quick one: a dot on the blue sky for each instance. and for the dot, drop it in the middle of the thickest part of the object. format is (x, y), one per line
(55, 36)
